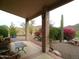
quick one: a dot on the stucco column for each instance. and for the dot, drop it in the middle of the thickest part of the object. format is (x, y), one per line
(26, 29)
(45, 30)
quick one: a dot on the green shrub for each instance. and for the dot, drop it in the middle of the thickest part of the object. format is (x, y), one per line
(54, 33)
(77, 34)
(4, 31)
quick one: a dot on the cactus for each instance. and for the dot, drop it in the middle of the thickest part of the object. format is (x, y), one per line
(62, 24)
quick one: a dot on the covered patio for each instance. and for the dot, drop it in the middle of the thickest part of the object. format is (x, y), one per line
(30, 9)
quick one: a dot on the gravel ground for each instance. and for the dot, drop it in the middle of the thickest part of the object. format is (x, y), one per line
(68, 51)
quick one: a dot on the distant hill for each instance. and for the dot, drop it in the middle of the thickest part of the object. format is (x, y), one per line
(21, 31)
(76, 27)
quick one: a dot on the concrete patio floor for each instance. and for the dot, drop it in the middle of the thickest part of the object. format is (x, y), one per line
(33, 51)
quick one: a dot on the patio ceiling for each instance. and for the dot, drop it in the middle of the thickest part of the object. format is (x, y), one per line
(30, 8)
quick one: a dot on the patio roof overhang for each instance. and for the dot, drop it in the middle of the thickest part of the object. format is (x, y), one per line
(30, 8)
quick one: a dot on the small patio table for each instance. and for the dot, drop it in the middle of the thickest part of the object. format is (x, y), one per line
(20, 46)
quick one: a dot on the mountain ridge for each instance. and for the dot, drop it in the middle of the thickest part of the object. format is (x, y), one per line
(76, 27)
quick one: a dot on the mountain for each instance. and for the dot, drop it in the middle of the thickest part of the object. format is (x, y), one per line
(76, 27)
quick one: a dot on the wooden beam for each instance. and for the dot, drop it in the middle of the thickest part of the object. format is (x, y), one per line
(45, 30)
(26, 28)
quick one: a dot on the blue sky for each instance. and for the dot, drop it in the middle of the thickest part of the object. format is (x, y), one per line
(70, 12)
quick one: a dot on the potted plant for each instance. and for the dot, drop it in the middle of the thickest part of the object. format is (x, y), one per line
(12, 31)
